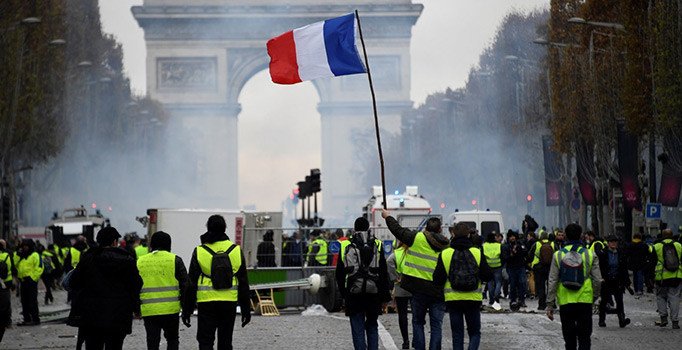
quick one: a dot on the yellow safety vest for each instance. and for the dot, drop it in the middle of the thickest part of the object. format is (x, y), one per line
(661, 272)
(141, 251)
(492, 252)
(585, 293)
(205, 291)
(56, 251)
(160, 294)
(451, 294)
(31, 267)
(399, 259)
(321, 256)
(536, 254)
(5, 259)
(420, 260)
(599, 243)
(50, 254)
(344, 244)
(75, 256)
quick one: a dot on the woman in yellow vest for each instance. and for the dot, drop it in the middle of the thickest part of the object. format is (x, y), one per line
(461, 302)
(164, 279)
(29, 270)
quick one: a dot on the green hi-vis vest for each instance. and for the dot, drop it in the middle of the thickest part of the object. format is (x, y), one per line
(58, 253)
(75, 256)
(50, 254)
(492, 252)
(344, 244)
(596, 243)
(536, 255)
(205, 291)
(399, 259)
(585, 293)
(661, 272)
(31, 267)
(160, 294)
(321, 256)
(141, 251)
(451, 294)
(6, 259)
(420, 260)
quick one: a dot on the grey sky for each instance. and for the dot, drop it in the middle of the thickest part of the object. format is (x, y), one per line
(446, 43)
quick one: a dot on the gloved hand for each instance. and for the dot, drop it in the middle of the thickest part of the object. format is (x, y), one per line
(187, 320)
(246, 318)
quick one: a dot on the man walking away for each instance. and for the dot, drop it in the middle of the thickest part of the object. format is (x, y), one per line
(292, 251)
(461, 269)
(265, 254)
(420, 263)
(29, 270)
(106, 287)
(50, 267)
(515, 250)
(638, 256)
(402, 297)
(5, 288)
(668, 256)
(616, 279)
(492, 250)
(362, 278)
(317, 250)
(217, 284)
(574, 284)
(164, 280)
(541, 253)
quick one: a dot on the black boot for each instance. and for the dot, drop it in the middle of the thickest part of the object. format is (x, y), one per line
(663, 322)
(676, 324)
(622, 321)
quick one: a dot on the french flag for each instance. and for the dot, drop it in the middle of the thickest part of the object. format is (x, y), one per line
(319, 50)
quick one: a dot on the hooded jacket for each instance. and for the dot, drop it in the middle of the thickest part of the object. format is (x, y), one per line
(436, 240)
(106, 286)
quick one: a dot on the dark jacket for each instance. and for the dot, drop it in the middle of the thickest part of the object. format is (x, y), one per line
(292, 253)
(190, 299)
(515, 253)
(440, 276)
(436, 240)
(371, 303)
(638, 256)
(266, 254)
(622, 277)
(106, 290)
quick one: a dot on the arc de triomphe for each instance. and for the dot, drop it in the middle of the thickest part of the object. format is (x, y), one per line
(201, 53)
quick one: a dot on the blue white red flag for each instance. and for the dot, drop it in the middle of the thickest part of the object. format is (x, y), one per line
(319, 50)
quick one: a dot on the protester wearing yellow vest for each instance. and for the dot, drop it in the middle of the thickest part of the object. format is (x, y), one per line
(417, 269)
(50, 266)
(575, 302)
(29, 270)
(217, 307)
(493, 255)
(540, 268)
(75, 252)
(5, 288)
(164, 279)
(140, 250)
(463, 303)
(317, 250)
(668, 282)
(402, 297)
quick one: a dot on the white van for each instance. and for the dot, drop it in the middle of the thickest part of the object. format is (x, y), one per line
(484, 222)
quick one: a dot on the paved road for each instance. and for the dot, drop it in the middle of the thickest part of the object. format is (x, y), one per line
(332, 331)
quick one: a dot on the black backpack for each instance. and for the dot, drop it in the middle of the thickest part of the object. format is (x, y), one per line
(221, 268)
(464, 271)
(671, 262)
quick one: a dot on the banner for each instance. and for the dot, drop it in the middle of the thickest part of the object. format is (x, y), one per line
(671, 180)
(628, 157)
(553, 169)
(586, 172)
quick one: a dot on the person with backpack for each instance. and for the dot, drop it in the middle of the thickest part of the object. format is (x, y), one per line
(492, 250)
(616, 280)
(362, 278)
(402, 297)
(461, 269)
(29, 270)
(217, 285)
(668, 256)
(5, 288)
(515, 251)
(574, 285)
(164, 280)
(418, 267)
(541, 254)
(638, 260)
(50, 263)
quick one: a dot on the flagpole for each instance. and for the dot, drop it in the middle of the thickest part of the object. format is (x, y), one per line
(374, 108)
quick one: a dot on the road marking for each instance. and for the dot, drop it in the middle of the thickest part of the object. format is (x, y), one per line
(384, 335)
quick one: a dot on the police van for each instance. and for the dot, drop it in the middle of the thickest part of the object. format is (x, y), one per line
(74, 222)
(484, 222)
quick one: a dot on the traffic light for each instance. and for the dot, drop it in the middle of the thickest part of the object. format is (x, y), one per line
(529, 197)
(304, 190)
(316, 183)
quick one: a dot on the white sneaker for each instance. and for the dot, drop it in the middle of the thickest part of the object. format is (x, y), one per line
(497, 306)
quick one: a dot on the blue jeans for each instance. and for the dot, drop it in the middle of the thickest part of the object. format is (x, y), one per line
(421, 304)
(517, 284)
(361, 323)
(472, 314)
(638, 280)
(495, 285)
